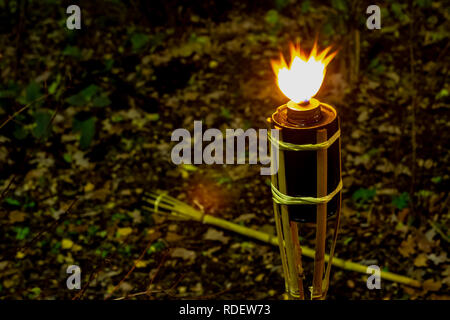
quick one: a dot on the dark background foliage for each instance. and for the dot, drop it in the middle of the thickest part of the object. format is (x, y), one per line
(86, 117)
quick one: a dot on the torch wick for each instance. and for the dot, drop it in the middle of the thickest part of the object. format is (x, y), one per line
(304, 103)
(303, 113)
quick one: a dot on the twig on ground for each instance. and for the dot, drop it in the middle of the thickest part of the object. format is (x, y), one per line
(131, 270)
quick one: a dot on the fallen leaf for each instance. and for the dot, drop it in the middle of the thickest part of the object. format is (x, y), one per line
(244, 217)
(123, 232)
(438, 259)
(66, 244)
(423, 244)
(88, 187)
(183, 253)
(446, 272)
(125, 286)
(363, 116)
(402, 214)
(259, 277)
(140, 263)
(429, 235)
(421, 260)
(79, 159)
(355, 148)
(16, 216)
(350, 283)
(3, 265)
(77, 248)
(407, 247)
(446, 280)
(431, 285)
(136, 215)
(214, 234)
(173, 237)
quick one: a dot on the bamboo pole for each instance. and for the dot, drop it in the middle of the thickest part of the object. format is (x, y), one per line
(180, 209)
(336, 231)
(298, 259)
(321, 224)
(278, 225)
(281, 246)
(292, 274)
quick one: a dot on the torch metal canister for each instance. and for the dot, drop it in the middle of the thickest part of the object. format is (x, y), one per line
(307, 186)
(300, 125)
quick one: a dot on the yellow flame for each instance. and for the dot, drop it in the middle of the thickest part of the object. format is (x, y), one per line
(301, 80)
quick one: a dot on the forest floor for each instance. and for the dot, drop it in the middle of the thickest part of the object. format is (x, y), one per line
(103, 102)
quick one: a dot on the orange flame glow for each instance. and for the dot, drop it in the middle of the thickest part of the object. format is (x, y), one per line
(301, 80)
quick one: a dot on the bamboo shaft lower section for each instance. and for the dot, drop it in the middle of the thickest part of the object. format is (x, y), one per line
(287, 243)
(298, 259)
(321, 225)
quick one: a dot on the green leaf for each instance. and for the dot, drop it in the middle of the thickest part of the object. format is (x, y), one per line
(84, 96)
(92, 230)
(156, 247)
(72, 52)
(424, 3)
(436, 179)
(7, 94)
(401, 201)
(223, 180)
(101, 101)
(362, 195)
(225, 113)
(67, 157)
(42, 128)
(328, 29)
(347, 241)
(77, 100)
(397, 10)
(306, 5)
(109, 64)
(442, 94)
(202, 39)
(340, 5)
(22, 233)
(89, 92)
(424, 193)
(189, 167)
(139, 40)
(272, 17)
(35, 292)
(12, 202)
(31, 204)
(280, 4)
(32, 92)
(153, 117)
(87, 128)
(20, 133)
(52, 88)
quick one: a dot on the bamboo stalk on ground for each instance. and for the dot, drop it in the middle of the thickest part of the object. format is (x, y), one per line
(180, 209)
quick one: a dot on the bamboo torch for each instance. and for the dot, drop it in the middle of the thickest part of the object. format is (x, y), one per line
(307, 186)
